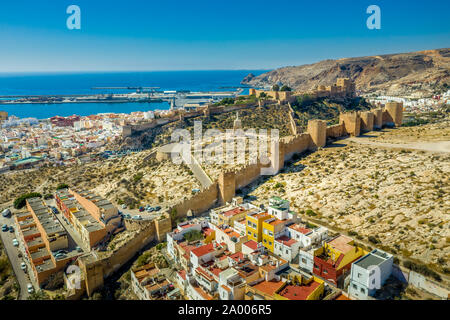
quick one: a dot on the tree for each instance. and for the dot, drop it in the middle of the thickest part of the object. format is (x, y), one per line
(262, 95)
(275, 87)
(20, 202)
(39, 295)
(285, 88)
(62, 186)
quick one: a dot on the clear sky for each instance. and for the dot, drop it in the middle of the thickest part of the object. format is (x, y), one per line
(210, 34)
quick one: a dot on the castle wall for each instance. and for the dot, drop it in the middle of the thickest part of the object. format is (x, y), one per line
(352, 123)
(295, 144)
(367, 119)
(394, 112)
(200, 202)
(335, 131)
(247, 175)
(317, 129)
(377, 118)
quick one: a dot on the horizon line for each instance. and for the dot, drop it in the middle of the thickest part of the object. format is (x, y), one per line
(111, 71)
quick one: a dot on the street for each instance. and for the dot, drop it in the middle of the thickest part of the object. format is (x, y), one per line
(13, 254)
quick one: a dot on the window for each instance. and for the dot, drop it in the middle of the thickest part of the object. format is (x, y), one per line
(359, 275)
(265, 241)
(316, 266)
(363, 291)
(270, 243)
(271, 233)
(303, 260)
(249, 233)
(355, 287)
(325, 271)
(287, 251)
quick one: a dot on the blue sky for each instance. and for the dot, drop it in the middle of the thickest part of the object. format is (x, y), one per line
(210, 34)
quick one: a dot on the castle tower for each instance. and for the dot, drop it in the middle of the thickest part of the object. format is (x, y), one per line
(367, 121)
(252, 91)
(395, 113)
(317, 129)
(352, 123)
(276, 155)
(227, 186)
(377, 118)
(93, 273)
(237, 122)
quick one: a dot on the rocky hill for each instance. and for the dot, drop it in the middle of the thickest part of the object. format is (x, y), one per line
(422, 73)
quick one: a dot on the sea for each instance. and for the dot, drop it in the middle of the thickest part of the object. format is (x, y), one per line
(82, 83)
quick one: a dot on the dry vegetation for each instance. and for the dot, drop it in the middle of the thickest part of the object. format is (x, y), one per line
(398, 198)
(131, 179)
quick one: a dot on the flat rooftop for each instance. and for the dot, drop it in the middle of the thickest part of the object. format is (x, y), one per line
(373, 258)
(342, 243)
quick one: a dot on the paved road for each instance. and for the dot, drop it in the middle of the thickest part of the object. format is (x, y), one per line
(13, 255)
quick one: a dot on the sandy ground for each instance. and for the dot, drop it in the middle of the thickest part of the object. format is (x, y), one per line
(401, 197)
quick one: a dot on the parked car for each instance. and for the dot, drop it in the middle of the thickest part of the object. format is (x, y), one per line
(54, 210)
(30, 288)
(4, 227)
(157, 208)
(11, 229)
(79, 249)
(137, 217)
(23, 266)
(141, 209)
(6, 213)
(15, 243)
(127, 216)
(124, 206)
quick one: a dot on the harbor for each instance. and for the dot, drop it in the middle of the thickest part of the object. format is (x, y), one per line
(176, 98)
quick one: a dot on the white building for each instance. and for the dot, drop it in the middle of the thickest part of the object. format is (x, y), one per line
(369, 273)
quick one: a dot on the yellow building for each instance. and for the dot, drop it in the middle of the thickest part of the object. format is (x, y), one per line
(254, 222)
(271, 229)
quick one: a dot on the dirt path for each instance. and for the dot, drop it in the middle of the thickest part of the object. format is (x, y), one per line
(438, 146)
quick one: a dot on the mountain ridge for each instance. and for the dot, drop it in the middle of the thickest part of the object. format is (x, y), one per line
(419, 73)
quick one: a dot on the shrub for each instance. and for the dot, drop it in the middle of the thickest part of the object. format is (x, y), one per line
(373, 240)
(311, 213)
(62, 186)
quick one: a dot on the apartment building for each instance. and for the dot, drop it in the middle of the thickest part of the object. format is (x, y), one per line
(43, 236)
(100, 208)
(148, 284)
(91, 231)
(333, 260)
(254, 223)
(230, 237)
(369, 273)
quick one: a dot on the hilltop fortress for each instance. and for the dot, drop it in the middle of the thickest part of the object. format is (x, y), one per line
(317, 136)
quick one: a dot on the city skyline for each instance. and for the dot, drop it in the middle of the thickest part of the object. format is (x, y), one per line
(203, 35)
